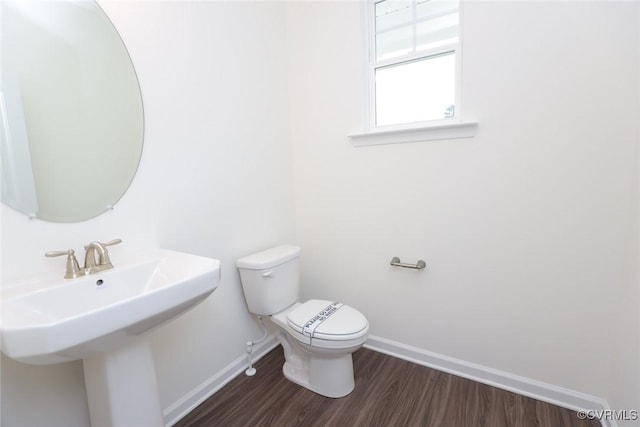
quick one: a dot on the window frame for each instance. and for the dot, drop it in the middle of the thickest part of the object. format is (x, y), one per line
(445, 128)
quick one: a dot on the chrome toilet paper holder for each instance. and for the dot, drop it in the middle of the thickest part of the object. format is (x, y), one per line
(395, 261)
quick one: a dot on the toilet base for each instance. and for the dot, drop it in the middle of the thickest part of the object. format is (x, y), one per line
(326, 373)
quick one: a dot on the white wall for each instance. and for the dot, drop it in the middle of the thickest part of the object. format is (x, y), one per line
(215, 180)
(525, 228)
(624, 385)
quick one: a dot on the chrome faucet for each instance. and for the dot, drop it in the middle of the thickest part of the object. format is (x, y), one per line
(91, 263)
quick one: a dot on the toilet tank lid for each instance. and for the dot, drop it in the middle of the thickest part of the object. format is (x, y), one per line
(269, 258)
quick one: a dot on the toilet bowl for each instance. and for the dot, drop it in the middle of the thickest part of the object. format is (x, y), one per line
(321, 361)
(317, 336)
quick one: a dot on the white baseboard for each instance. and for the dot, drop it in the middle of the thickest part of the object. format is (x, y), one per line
(539, 390)
(550, 393)
(206, 389)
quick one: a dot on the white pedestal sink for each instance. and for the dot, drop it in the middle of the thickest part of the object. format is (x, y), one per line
(100, 319)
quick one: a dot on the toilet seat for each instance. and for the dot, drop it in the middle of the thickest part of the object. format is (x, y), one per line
(344, 324)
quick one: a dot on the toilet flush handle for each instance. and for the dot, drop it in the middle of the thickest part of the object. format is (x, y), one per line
(267, 274)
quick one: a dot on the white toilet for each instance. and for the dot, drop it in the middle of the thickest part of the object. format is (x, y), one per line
(317, 336)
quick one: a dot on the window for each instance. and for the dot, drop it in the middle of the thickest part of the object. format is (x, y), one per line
(414, 61)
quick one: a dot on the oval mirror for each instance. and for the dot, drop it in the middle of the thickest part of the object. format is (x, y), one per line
(72, 119)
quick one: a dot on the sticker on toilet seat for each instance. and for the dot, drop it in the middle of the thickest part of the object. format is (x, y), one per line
(312, 324)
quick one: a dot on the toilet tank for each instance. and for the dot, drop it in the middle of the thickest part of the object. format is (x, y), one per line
(270, 279)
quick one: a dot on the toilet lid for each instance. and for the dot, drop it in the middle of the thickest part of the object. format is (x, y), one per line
(345, 323)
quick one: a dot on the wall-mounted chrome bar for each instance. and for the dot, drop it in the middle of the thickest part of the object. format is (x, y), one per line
(395, 261)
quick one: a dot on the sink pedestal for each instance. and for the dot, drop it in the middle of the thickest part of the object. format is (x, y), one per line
(121, 387)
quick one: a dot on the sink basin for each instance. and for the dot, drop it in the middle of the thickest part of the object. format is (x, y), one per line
(48, 320)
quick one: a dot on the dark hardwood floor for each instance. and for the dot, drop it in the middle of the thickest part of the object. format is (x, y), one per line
(389, 392)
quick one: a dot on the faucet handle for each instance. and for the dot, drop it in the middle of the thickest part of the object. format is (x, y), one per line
(112, 242)
(73, 269)
(52, 254)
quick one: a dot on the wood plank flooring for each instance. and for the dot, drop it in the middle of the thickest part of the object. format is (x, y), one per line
(389, 392)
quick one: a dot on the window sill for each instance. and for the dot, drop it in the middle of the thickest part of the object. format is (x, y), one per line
(414, 134)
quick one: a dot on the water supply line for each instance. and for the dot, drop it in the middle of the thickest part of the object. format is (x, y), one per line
(251, 371)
